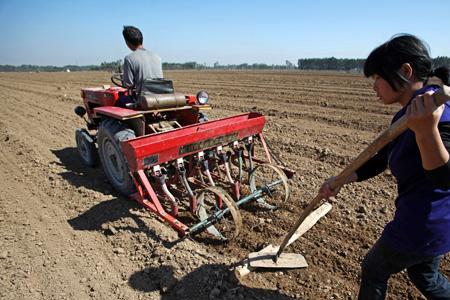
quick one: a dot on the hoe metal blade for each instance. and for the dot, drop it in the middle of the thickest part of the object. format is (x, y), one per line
(201, 212)
(284, 261)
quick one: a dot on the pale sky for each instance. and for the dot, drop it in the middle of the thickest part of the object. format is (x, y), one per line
(82, 32)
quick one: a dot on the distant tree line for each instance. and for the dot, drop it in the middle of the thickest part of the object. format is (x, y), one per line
(104, 66)
(181, 66)
(331, 63)
(328, 63)
(347, 64)
(115, 66)
(441, 61)
(245, 66)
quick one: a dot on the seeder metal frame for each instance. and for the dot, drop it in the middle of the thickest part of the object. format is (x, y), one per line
(158, 163)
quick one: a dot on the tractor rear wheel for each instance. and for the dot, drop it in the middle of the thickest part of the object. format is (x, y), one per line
(110, 134)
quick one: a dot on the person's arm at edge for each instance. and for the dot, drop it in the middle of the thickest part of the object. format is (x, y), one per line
(436, 149)
(431, 136)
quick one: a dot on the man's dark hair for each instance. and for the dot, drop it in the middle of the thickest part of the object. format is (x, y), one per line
(387, 59)
(132, 35)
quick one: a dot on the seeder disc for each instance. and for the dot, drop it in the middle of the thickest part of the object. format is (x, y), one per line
(261, 177)
(208, 206)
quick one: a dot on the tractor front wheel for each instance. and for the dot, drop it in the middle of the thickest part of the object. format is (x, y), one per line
(86, 148)
(110, 134)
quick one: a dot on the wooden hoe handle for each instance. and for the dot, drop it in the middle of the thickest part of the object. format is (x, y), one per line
(440, 97)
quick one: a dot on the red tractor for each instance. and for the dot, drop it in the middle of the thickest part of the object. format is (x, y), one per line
(161, 151)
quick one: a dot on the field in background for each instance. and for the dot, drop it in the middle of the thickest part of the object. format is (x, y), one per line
(65, 234)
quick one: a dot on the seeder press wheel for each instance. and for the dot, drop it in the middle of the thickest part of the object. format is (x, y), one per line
(226, 226)
(274, 184)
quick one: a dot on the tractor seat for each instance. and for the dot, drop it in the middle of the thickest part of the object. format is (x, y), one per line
(157, 86)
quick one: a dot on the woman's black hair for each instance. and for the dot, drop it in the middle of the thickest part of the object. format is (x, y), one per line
(443, 74)
(387, 59)
(132, 35)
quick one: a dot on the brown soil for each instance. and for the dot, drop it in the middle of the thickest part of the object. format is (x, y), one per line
(66, 234)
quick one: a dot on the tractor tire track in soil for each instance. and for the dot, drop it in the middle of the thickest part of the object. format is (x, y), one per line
(66, 234)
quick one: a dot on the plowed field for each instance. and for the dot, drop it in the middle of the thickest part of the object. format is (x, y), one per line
(66, 234)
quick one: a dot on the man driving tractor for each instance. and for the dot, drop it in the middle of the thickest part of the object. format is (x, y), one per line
(139, 65)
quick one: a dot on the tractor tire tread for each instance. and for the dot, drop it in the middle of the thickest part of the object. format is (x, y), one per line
(117, 132)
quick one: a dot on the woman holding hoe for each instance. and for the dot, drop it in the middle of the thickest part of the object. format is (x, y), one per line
(419, 235)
